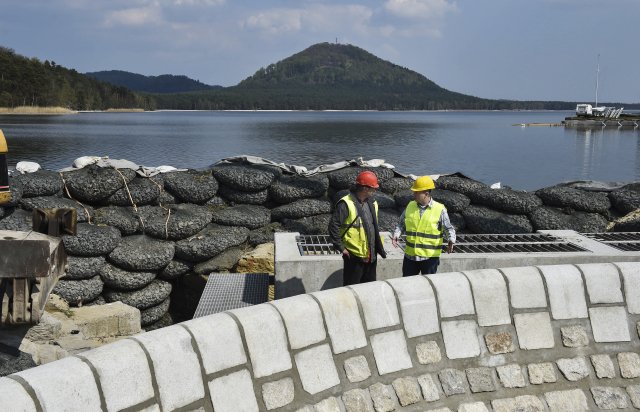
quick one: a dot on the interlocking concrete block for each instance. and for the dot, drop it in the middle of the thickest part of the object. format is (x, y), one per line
(219, 341)
(629, 364)
(14, 397)
(357, 400)
(303, 319)
(603, 366)
(461, 339)
(174, 360)
(571, 400)
(631, 279)
(331, 404)
(490, 296)
(343, 319)
(383, 397)
(603, 282)
(407, 390)
(417, 304)
(266, 339)
(429, 388)
(634, 395)
(454, 294)
(534, 330)
(378, 304)
(525, 287)
(480, 379)
(609, 398)
(527, 403)
(277, 394)
(609, 324)
(428, 352)
(390, 352)
(357, 368)
(574, 336)
(473, 407)
(500, 342)
(316, 369)
(124, 373)
(511, 376)
(566, 291)
(72, 390)
(540, 373)
(453, 381)
(573, 369)
(233, 392)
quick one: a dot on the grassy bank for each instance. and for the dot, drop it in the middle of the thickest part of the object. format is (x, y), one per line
(22, 110)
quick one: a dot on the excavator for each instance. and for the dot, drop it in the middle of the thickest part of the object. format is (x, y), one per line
(5, 194)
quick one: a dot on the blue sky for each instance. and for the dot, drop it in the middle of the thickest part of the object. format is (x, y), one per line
(510, 49)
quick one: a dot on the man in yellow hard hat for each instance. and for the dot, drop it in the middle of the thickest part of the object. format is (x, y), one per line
(424, 221)
(354, 230)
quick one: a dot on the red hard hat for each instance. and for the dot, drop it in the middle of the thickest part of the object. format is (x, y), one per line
(367, 178)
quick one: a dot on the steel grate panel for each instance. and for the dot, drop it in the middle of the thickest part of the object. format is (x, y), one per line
(518, 248)
(313, 245)
(625, 246)
(505, 238)
(226, 291)
(614, 236)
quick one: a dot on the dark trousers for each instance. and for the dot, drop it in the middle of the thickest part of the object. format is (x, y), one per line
(357, 271)
(426, 267)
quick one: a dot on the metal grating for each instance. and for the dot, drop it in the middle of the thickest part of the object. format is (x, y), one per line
(625, 241)
(313, 245)
(226, 291)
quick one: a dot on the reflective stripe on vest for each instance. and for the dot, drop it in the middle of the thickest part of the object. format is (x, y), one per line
(424, 234)
(354, 237)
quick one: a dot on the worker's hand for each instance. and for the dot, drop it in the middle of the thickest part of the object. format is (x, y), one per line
(394, 241)
(345, 253)
(450, 247)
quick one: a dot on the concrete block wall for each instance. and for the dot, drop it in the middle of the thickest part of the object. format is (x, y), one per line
(545, 338)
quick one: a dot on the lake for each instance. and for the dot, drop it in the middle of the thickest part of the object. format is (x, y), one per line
(482, 145)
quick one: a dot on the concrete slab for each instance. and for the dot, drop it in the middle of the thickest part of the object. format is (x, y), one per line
(233, 392)
(566, 291)
(14, 397)
(609, 324)
(454, 294)
(342, 317)
(417, 305)
(124, 374)
(378, 304)
(219, 341)
(525, 287)
(317, 369)
(72, 390)
(390, 351)
(534, 330)
(490, 297)
(303, 319)
(461, 339)
(266, 339)
(174, 360)
(603, 282)
(631, 278)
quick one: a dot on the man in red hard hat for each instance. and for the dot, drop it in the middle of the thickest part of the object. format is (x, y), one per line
(424, 221)
(354, 230)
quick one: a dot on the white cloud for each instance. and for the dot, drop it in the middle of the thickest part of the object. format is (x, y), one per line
(317, 18)
(198, 2)
(134, 17)
(420, 9)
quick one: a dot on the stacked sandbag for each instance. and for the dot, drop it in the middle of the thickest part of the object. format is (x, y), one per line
(141, 238)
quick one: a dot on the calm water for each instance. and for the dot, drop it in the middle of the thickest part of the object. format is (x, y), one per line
(482, 145)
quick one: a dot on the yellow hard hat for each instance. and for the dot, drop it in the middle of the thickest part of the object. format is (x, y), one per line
(423, 183)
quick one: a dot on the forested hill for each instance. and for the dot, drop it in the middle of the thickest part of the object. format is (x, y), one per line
(338, 76)
(165, 83)
(30, 82)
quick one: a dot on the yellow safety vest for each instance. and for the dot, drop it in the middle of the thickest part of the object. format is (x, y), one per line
(424, 236)
(354, 237)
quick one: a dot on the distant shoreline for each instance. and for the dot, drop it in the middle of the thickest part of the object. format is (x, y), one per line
(37, 111)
